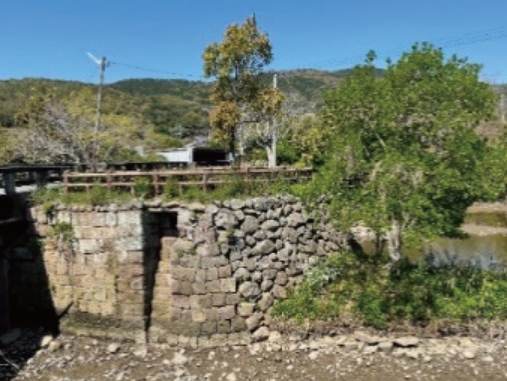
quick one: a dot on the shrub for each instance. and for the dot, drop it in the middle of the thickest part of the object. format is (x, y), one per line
(377, 296)
(171, 188)
(143, 187)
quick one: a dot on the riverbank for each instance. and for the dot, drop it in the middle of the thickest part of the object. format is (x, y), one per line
(358, 356)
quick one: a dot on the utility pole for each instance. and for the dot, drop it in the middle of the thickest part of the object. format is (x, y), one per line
(502, 113)
(102, 63)
(274, 133)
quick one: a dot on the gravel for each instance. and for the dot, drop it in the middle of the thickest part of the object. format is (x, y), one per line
(279, 358)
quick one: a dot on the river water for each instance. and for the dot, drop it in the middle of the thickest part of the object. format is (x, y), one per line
(485, 245)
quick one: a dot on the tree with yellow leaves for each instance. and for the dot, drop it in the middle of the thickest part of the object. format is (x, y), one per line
(242, 99)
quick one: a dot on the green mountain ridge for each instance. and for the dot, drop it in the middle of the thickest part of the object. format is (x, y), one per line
(175, 107)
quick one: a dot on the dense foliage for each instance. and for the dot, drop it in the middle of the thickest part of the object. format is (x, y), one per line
(353, 289)
(403, 156)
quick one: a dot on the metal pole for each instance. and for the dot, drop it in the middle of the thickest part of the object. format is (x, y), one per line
(273, 131)
(102, 67)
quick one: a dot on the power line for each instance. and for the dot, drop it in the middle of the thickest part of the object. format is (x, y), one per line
(470, 38)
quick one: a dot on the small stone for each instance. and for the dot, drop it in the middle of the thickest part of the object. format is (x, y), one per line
(54, 346)
(113, 347)
(408, 341)
(469, 355)
(45, 341)
(314, 355)
(179, 359)
(350, 345)
(366, 338)
(370, 349)
(231, 377)
(385, 346)
(275, 337)
(261, 334)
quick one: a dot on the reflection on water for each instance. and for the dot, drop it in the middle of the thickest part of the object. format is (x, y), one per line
(486, 251)
(487, 248)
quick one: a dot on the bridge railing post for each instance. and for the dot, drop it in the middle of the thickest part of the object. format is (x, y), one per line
(9, 183)
(41, 178)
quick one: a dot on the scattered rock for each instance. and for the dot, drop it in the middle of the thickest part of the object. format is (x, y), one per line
(385, 346)
(314, 355)
(261, 334)
(409, 341)
(179, 359)
(350, 345)
(54, 346)
(113, 347)
(45, 341)
(275, 337)
(469, 354)
(366, 338)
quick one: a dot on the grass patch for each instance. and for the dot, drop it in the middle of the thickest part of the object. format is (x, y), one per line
(357, 289)
(495, 219)
(234, 187)
(97, 195)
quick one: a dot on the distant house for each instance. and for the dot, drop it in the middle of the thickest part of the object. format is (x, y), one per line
(196, 157)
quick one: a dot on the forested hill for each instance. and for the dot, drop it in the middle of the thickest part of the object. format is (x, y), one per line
(165, 103)
(175, 107)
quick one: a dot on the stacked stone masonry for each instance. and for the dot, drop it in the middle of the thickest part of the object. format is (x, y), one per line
(187, 274)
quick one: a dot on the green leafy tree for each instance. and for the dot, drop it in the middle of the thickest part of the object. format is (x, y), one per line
(240, 96)
(404, 158)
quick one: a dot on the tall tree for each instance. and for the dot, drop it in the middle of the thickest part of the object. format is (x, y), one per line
(240, 95)
(403, 157)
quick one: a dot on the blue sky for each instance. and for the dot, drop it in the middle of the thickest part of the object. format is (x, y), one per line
(50, 38)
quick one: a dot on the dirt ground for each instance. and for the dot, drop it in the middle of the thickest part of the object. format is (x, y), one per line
(85, 359)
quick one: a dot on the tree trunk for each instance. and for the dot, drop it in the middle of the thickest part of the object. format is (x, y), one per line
(393, 238)
(271, 149)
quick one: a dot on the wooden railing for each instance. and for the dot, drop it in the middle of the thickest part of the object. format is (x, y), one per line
(204, 178)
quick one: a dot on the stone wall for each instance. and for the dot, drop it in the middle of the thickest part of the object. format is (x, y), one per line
(188, 274)
(100, 270)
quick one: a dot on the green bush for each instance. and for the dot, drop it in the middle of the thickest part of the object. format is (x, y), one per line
(171, 188)
(377, 296)
(64, 230)
(143, 187)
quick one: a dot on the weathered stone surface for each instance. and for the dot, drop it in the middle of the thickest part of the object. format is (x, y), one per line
(225, 219)
(263, 248)
(249, 290)
(237, 204)
(270, 225)
(366, 338)
(246, 309)
(227, 263)
(228, 285)
(227, 312)
(261, 334)
(281, 278)
(408, 341)
(266, 301)
(253, 321)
